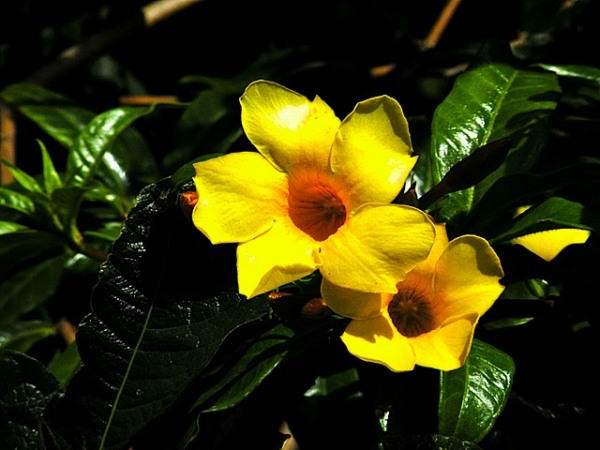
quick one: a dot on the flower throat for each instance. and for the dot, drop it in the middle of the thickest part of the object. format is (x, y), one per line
(315, 203)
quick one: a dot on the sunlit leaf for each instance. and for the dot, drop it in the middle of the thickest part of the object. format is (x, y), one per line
(95, 139)
(486, 104)
(14, 200)
(472, 397)
(574, 71)
(553, 213)
(10, 227)
(52, 179)
(23, 178)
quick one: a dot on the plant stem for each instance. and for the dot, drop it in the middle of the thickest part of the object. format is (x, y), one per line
(440, 24)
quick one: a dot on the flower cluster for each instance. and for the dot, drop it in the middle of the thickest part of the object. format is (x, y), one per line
(318, 196)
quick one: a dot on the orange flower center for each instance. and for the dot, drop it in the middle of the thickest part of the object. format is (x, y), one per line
(411, 312)
(315, 203)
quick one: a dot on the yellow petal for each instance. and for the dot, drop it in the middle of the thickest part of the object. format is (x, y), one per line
(467, 277)
(439, 245)
(372, 151)
(351, 303)
(239, 197)
(281, 255)
(447, 347)
(286, 127)
(376, 340)
(548, 244)
(377, 247)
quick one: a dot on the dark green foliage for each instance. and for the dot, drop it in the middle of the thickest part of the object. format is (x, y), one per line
(503, 113)
(472, 397)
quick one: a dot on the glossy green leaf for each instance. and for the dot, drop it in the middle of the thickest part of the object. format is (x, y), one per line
(553, 213)
(157, 322)
(325, 386)
(20, 336)
(95, 139)
(512, 191)
(249, 370)
(509, 322)
(52, 179)
(468, 171)
(16, 201)
(64, 121)
(29, 288)
(64, 364)
(574, 71)
(11, 227)
(55, 114)
(23, 178)
(486, 104)
(472, 397)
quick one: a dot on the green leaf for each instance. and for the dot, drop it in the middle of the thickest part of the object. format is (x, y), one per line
(157, 322)
(205, 110)
(19, 248)
(11, 227)
(472, 397)
(574, 71)
(55, 114)
(64, 364)
(108, 232)
(95, 139)
(29, 288)
(553, 213)
(25, 391)
(250, 369)
(469, 171)
(325, 386)
(66, 202)
(64, 121)
(52, 179)
(508, 322)
(486, 104)
(101, 193)
(24, 179)
(16, 201)
(20, 336)
(512, 191)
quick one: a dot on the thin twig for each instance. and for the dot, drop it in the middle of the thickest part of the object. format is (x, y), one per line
(8, 134)
(440, 24)
(142, 100)
(96, 45)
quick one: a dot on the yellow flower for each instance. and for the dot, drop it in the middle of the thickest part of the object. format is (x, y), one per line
(431, 318)
(548, 244)
(316, 195)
